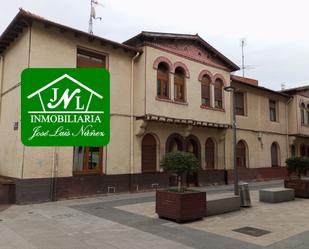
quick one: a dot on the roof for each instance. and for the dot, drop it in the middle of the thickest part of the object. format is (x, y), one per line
(24, 19)
(195, 38)
(295, 89)
(245, 82)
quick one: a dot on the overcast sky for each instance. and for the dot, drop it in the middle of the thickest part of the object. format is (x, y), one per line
(276, 31)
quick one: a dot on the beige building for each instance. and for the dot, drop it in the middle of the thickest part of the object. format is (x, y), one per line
(167, 93)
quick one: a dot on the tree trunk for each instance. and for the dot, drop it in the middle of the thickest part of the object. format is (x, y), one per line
(179, 181)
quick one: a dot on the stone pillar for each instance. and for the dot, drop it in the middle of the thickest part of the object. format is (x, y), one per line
(172, 86)
(212, 95)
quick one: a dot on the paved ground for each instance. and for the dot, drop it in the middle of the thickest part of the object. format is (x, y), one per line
(129, 221)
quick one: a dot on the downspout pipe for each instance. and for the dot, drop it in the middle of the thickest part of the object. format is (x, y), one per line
(132, 120)
(1, 80)
(287, 125)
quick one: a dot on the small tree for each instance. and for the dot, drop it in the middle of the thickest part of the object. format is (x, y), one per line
(179, 163)
(298, 165)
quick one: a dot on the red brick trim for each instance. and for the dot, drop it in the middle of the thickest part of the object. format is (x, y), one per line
(219, 76)
(205, 72)
(207, 63)
(183, 66)
(165, 60)
(171, 101)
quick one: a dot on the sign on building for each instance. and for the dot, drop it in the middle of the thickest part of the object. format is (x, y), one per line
(65, 107)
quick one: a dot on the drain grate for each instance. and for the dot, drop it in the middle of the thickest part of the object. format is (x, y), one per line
(256, 232)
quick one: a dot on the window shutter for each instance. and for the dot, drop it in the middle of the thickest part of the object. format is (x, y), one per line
(149, 154)
(210, 154)
(218, 93)
(241, 154)
(205, 91)
(90, 60)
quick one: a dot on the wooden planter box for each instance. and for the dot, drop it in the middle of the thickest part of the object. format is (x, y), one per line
(181, 207)
(300, 186)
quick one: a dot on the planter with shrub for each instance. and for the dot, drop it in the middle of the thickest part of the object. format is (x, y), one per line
(297, 168)
(180, 204)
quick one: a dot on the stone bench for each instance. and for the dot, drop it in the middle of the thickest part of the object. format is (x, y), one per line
(222, 203)
(275, 195)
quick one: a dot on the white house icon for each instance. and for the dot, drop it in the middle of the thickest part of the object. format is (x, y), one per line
(65, 76)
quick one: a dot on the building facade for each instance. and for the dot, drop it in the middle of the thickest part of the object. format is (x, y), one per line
(167, 94)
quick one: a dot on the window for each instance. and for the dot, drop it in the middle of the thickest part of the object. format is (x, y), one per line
(149, 154)
(205, 90)
(193, 145)
(210, 154)
(218, 94)
(273, 110)
(274, 155)
(303, 150)
(241, 154)
(293, 150)
(88, 159)
(239, 103)
(302, 113)
(179, 84)
(175, 142)
(86, 59)
(163, 81)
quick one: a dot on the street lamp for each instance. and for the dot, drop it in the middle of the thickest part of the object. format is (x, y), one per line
(233, 90)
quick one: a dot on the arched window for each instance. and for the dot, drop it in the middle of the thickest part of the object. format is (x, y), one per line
(163, 81)
(210, 154)
(219, 93)
(205, 90)
(275, 155)
(194, 146)
(175, 142)
(179, 84)
(241, 152)
(149, 153)
(303, 150)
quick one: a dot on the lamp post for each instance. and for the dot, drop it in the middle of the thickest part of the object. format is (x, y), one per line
(233, 90)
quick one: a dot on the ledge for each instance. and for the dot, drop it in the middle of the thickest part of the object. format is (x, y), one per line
(172, 101)
(212, 108)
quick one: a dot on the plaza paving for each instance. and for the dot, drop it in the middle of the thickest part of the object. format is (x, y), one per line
(129, 221)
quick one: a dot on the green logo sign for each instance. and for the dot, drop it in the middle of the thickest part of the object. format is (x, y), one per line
(65, 107)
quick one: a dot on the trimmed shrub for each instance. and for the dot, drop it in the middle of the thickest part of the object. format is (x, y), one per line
(179, 163)
(298, 165)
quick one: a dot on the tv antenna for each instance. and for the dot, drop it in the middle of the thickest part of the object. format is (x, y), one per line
(243, 43)
(93, 4)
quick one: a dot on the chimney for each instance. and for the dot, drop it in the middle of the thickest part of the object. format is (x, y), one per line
(283, 86)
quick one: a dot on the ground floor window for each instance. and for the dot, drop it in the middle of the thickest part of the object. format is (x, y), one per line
(293, 150)
(210, 154)
(175, 142)
(303, 150)
(149, 154)
(88, 159)
(274, 155)
(241, 154)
